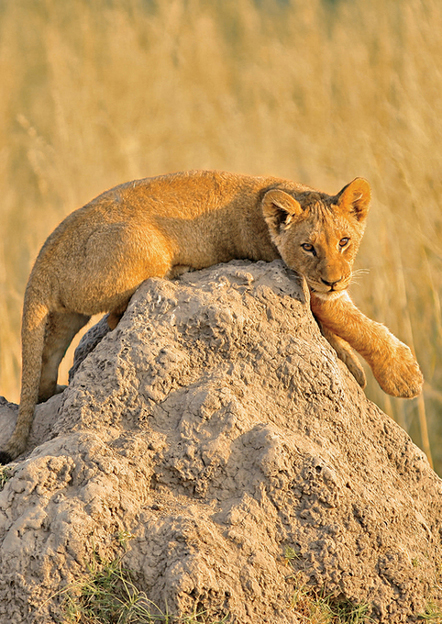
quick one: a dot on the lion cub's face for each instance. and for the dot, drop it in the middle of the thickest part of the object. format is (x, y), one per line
(318, 235)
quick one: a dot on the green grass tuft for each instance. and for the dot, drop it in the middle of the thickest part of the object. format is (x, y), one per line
(432, 614)
(108, 595)
(317, 608)
(5, 474)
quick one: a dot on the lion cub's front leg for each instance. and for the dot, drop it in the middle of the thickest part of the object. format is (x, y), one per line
(391, 361)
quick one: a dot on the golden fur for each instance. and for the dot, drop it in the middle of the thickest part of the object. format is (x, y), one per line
(98, 256)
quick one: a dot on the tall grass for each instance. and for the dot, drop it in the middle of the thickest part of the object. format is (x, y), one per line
(97, 92)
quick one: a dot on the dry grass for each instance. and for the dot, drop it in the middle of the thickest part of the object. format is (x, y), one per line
(98, 92)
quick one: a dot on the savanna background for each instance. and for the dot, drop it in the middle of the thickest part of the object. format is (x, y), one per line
(98, 92)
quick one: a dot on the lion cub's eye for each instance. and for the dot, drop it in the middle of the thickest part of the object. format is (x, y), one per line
(344, 242)
(308, 247)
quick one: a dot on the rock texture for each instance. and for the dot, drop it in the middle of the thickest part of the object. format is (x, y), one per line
(218, 428)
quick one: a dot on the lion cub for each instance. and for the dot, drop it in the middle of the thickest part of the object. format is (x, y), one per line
(98, 256)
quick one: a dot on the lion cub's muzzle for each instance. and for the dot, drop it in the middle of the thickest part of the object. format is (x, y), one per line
(329, 289)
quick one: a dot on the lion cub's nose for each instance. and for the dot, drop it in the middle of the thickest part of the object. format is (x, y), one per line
(331, 284)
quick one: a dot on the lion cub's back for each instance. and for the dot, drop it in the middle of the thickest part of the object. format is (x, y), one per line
(137, 220)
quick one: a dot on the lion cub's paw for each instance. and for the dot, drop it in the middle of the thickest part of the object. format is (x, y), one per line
(399, 374)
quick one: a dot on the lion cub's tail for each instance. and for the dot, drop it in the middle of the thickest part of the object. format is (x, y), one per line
(35, 317)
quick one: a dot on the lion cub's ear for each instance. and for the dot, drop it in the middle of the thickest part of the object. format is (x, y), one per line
(355, 198)
(279, 208)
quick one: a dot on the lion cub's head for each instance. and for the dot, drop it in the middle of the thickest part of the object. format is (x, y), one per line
(318, 235)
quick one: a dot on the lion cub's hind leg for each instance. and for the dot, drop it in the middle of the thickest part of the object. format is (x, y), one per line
(60, 331)
(346, 354)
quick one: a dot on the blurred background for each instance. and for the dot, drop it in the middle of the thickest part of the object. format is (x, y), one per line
(97, 92)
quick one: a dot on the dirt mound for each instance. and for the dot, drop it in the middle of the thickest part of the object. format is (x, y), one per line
(216, 427)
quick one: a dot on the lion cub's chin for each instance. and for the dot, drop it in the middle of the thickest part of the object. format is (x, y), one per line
(330, 295)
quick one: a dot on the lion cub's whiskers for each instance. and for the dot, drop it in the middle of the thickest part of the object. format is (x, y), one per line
(357, 275)
(359, 272)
